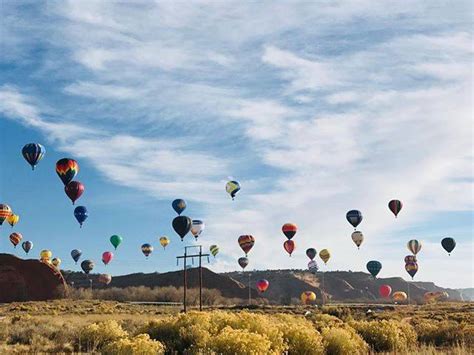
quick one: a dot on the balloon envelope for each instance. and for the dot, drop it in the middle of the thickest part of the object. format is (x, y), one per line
(395, 206)
(325, 255)
(33, 153)
(399, 296)
(182, 225)
(289, 230)
(246, 243)
(411, 268)
(214, 249)
(27, 246)
(410, 259)
(243, 262)
(357, 238)
(15, 238)
(45, 255)
(116, 240)
(311, 253)
(448, 244)
(87, 266)
(385, 291)
(147, 249)
(164, 241)
(74, 190)
(105, 278)
(232, 187)
(308, 297)
(179, 205)
(81, 214)
(354, 217)
(76, 254)
(313, 266)
(107, 257)
(414, 246)
(197, 226)
(289, 246)
(67, 169)
(56, 262)
(5, 212)
(262, 285)
(13, 219)
(374, 267)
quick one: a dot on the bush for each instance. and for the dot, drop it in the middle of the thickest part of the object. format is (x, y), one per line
(321, 321)
(240, 341)
(140, 344)
(340, 341)
(299, 335)
(94, 336)
(443, 333)
(386, 335)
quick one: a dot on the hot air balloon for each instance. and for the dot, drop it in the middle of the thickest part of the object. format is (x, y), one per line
(357, 238)
(414, 246)
(448, 244)
(410, 259)
(15, 238)
(81, 214)
(116, 240)
(311, 253)
(313, 266)
(385, 291)
(214, 249)
(45, 256)
(13, 219)
(262, 285)
(87, 266)
(5, 211)
(76, 255)
(74, 190)
(164, 241)
(179, 205)
(246, 243)
(374, 267)
(289, 246)
(67, 169)
(325, 255)
(182, 225)
(412, 269)
(289, 230)
(105, 279)
(27, 246)
(354, 217)
(56, 262)
(308, 297)
(395, 206)
(107, 257)
(399, 296)
(243, 262)
(33, 153)
(147, 249)
(232, 187)
(197, 226)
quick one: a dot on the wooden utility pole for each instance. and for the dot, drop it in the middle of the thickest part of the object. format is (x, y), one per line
(185, 280)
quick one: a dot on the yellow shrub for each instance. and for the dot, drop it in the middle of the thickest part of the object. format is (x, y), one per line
(239, 341)
(299, 335)
(321, 321)
(140, 344)
(96, 335)
(444, 333)
(340, 341)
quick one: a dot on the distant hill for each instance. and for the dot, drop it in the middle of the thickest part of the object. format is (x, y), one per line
(467, 293)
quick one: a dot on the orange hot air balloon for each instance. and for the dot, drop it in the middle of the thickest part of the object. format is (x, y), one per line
(262, 285)
(289, 230)
(289, 246)
(399, 296)
(308, 297)
(15, 238)
(67, 169)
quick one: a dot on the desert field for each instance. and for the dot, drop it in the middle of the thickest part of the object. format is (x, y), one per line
(109, 327)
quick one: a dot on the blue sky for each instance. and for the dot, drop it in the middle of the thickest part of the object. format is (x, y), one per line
(315, 107)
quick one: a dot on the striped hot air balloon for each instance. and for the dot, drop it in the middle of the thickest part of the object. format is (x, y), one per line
(15, 238)
(147, 249)
(33, 153)
(214, 249)
(5, 212)
(395, 206)
(246, 243)
(414, 246)
(67, 169)
(289, 230)
(325, 255)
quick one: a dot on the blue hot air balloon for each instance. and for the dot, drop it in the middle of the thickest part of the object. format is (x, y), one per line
(354, 217)
(179, 205)
(374, 267)
(81, 214)
(76, 255)
(33, 153)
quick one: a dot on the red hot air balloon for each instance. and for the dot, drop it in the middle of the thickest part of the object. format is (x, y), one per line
(289, 246)
(395, 206)
(74, 190)
(385, 291)
(262, 285)
(289, 230)
(246, 242)
(107, 257)
(15, 238)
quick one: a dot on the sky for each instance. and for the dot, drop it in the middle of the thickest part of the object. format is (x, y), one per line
(316, 108)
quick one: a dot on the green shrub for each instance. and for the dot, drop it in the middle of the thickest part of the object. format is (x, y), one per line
(140, 344)
(340, 341)
(239, 341)
(94, 336)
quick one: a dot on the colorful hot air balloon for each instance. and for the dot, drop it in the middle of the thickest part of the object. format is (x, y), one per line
(56, 262)
(164, 241)
(412, 269)
(67, 169)
(410, 259)
(33, 153)
(414, 246)
(105, 279)
(76, 255)
(313, 266)
(87, 266)
(399, 296)
(27, 246)
(357, 238)
(374, 267)
(74, 190)
(246, 243)
(107, 257)
(13, 219)
(5, 212)
(116, 240)
(182, 225)
(81, 214)
(214, 249)
(45, 256)
(289, 230)
(147, 249)
(179, 205)
(308, 297)
(354, 217)
(448, 244)
(325, 255)
(385, 291)
(289, 246)
(232, 187)
(15, 238)
(262, 285)
(197, 226)
(311, 253)
(243, 262)
(395, 206)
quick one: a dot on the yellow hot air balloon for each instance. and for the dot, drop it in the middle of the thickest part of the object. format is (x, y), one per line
(164, 241)
(399, 296)
(13, 219)
(308, 297)
(56, 262)
(325, 255)
(45, 256)
(5, 211)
